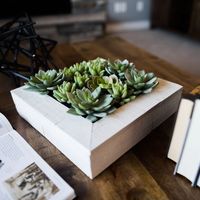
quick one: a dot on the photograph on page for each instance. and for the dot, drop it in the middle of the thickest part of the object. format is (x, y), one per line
(21, 178)
(30, 183)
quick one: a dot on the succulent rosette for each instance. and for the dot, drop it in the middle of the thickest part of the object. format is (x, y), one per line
(141, 81)
(61, 92)
(44, 82)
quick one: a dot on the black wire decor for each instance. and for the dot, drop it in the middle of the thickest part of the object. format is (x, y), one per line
(22, 51)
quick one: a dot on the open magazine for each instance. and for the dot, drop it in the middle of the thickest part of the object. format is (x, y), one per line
(24, 174)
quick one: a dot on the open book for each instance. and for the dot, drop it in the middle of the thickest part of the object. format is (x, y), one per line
(23, 173)
(185, 144)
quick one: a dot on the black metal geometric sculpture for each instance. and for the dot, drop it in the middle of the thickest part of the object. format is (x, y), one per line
(22, 51)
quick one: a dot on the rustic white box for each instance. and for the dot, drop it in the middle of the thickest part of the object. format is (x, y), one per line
(94, 146)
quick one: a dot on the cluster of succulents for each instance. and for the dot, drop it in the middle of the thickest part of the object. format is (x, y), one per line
(94, 88)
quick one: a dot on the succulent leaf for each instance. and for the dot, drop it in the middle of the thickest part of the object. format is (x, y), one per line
(96, 93)
(92, 118)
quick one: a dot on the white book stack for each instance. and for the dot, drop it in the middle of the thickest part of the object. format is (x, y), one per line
(185, 144)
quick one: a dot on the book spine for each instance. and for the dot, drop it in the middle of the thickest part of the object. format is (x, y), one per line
(196, 181)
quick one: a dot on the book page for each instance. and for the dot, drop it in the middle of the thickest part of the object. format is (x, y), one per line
(189, 162)
(25, 175)
(180, 129)
(5, 125)
(9, 156)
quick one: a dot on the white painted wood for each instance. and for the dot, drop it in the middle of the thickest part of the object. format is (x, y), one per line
(93, 147)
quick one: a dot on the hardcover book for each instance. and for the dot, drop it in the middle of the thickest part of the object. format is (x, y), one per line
(185, 144)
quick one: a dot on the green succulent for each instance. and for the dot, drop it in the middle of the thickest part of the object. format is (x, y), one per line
(61, 93)
(118, 67)
(94, 82)
(68, 73)
(141, 82)
(92, 105)
(43, 81)
(80, 79)
(97, 67)
(81, 67)
(121, 93)
(106, 82)
(119, 90)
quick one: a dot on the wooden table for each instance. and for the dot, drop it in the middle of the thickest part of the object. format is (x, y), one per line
(144, 172)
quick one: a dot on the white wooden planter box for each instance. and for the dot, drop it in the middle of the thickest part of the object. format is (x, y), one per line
(94, 146)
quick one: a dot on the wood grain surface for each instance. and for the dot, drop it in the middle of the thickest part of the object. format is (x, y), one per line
(144, 172)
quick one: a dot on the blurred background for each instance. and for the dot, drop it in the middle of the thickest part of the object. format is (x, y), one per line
(170, 29)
